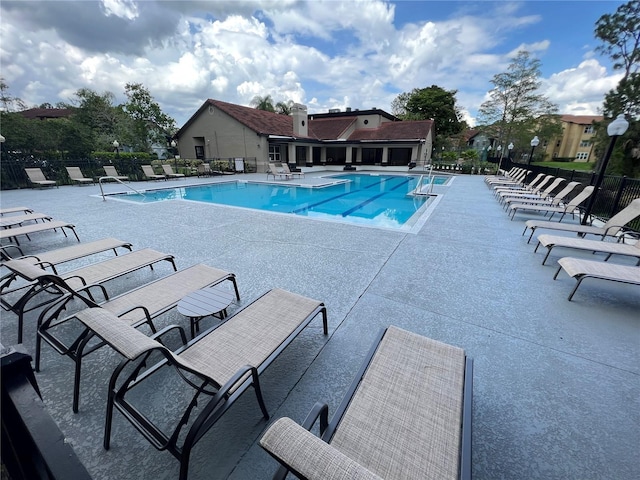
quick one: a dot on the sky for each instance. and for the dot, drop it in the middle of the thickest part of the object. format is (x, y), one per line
(324, 54)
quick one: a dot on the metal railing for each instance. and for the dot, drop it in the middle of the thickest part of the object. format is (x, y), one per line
(615, 192)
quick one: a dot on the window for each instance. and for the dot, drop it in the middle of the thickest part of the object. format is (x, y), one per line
(585, 143)
(588, 129)
(274, 153)
(582, 156)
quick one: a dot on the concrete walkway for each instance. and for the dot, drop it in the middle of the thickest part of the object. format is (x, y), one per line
(556, 383)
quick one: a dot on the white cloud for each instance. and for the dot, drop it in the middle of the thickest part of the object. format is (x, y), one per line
(580, 89)
(333, 54)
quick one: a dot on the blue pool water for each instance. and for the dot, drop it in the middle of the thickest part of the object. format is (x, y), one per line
(373, 200)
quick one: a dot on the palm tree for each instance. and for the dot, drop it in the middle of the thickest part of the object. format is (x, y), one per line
(263, 103)
(284, 108)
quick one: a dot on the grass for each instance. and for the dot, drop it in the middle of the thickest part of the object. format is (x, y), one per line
(581, 166)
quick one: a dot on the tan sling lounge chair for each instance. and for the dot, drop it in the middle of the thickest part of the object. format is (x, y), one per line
(13, 220)
(37, 178)
(136, 307)
(6, 211)
(79, 279)
(532, 187)
(168, 171)
(218, 366)
(581, 269)
(75, 174)
(286, 169)
(543, 191)
(570, 208)
(407, 415)
(51, 258)
(26, 230)
(276, 170)
(559, 198)
(150, 174)
(599, 246)
(611, 227)
(111, 171)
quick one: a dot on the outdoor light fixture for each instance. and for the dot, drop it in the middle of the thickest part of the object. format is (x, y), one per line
(510, 147)
(175, 156)
(535, 141)
(498, 152)
(116, 145)
(616, 128)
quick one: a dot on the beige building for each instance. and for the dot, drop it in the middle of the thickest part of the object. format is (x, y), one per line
(576, 140)
(221, 130)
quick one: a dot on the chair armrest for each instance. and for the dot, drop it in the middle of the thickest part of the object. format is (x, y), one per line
(308, 456)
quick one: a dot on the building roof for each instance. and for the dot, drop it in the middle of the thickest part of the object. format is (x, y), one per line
(330, 128)
(581, 119)
(405, 130)
(44, 113)
(327, 127)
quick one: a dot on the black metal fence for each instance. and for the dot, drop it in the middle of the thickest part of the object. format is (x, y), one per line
(12, 174)
(615, 193)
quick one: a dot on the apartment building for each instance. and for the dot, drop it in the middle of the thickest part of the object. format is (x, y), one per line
(576, 141)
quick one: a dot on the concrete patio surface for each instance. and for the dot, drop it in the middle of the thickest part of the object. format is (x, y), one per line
(556, 383)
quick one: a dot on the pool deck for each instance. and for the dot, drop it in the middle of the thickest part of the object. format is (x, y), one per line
(556, 383)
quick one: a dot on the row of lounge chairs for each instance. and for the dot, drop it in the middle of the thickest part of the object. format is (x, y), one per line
(615, 237)
(218, 365)
(38, 179)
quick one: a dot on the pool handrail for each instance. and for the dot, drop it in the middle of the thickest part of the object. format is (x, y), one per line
(104, 199)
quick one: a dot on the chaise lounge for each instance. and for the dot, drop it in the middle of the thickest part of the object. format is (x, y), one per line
(218, 366)
(407, 416)
(168, 171)
(276, 170)
(150, 174)
(26, 230)
(600, 246)
(37, 178)
(78, 279)
(571, 208)
(581, 269)
(136, 307)
(111, 171)
(610, 228)
(76, 175)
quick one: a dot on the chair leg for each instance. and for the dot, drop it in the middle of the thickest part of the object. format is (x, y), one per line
(258, 390)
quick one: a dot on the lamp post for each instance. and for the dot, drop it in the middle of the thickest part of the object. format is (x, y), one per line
(510, 147)
(116, 145)
(614, 130)
(175, 156)
(535, 141)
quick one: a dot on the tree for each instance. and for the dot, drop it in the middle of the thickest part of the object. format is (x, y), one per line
(9, 103)
(263, 103)
(96, 114)
(620, 37)
(431, 103)
(149, 124)
(284, 108)
(515, 109)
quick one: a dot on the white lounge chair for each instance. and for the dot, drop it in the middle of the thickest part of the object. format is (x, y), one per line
(581, 269)
(168, 171)
(76, 175)
(611, 227)
(570, 208)
(111, 171)
(150, 174)
(278, 171)
(600, 246)
(37, 178)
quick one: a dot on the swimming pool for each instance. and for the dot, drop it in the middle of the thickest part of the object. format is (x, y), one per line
(382, 201)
